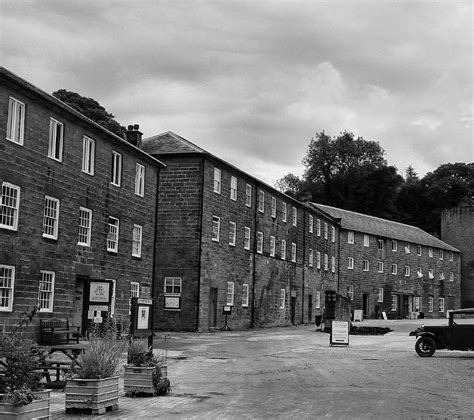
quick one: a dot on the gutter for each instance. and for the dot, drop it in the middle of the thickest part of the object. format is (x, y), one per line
(201, 198)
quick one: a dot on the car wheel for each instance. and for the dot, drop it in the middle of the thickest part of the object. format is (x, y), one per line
(425, 346)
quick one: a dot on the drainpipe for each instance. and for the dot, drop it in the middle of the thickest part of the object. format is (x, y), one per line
(153, 273)
(304, 259)
(254, 255)
(201, 208)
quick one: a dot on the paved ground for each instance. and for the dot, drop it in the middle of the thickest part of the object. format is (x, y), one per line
(294, 373)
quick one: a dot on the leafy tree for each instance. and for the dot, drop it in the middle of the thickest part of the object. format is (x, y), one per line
(290, 184)
(91, 109)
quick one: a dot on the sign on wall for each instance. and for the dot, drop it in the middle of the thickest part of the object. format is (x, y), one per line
(339, 333)
(99, 291)
(172, 302)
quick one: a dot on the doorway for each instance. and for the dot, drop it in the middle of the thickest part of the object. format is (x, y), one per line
(213, 307)
(293, 310)
(365, 305)
(78, 304)
(310, 308)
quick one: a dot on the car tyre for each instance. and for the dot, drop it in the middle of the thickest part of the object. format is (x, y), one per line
(425, 346)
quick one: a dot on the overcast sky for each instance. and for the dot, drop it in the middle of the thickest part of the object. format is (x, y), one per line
(253, 81)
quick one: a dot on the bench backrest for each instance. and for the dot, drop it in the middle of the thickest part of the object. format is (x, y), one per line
(54, 323)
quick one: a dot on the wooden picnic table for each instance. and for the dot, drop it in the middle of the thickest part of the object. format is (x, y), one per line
(70, 350)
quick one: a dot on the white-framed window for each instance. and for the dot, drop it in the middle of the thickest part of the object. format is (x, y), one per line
(451, 276)
(350, 292)
(350, 237)
(233, 188)
(137, 241)
(418, 250)
(16, 121)
(441, 254)
(451, 256)
(139, 180)
(326, 262)
(407, 271)
(394, 245)
(380, 295)
(246, 237)
(318, 300)
(46, 291)
(282, 298)
(134, 292)
(56, 140)
(173, 286)
(259, 242)
(430, 252)
(333, 264)
(295, 216)
(261, 201)
(274, 207)
(380, 266)
(248, 195)
(325, 230)
(284, 212)
(380, 244)
(310, 224)
(88, 155)
(417, 303)
(7, 287)
(318, 227)
(245, 295)
(216, 227)
(272, 246)
(441, 275)
(85, 226)
(9, 206)
(217, 180)
(366, 240)
(419, 272)
(333, 234)
(293, 252)
(430, 304)
(394, 269)
(116, 169)
(232, 233)
(430, 273)
(50, 217)
(230, 293)
(310, 257)
(365, 265)
(407, 248)
(318, 260)
(283, 249)
(350, 263)
(394, 303)
(113, 234)
(441, 304)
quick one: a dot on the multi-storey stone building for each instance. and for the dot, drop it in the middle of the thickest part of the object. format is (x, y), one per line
(226, 239)
(395, 268)
(77, 206)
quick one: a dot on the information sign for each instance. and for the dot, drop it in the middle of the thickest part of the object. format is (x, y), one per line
(358, 315)
(339, 333)
(99, 291)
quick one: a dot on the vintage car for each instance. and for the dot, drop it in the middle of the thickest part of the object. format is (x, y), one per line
(457, 335)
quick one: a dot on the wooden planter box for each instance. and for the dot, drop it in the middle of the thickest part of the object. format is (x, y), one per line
(37, 409)
(138, 380)
(94, 394)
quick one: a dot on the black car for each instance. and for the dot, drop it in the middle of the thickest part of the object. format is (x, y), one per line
(457, 335)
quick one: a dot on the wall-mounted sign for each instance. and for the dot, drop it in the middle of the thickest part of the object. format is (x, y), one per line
(339, 333)
(172, 302)
(99, 291)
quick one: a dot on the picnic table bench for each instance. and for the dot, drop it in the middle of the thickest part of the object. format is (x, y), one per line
(52, 329)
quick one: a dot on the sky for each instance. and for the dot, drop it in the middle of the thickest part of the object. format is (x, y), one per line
(253, 81)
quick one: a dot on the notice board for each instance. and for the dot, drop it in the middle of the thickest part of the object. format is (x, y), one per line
(339, 333)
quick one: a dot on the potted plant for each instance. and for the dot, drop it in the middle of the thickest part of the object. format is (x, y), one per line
(21, 393)
(92, 382)
(143, 373)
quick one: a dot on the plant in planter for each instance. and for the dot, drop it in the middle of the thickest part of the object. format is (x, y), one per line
(143, 374)
(21, 394)
(92, 382)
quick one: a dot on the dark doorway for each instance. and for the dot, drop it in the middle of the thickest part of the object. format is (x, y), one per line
(365, 305)
(213, 307)
(310, 308)
(293, 310)
(78, 306)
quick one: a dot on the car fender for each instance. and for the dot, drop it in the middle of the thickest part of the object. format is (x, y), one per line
(425, 334)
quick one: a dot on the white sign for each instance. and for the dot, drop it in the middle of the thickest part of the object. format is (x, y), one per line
(99, 291)
(340, 332)
(145, 301)
(143, 314)
(384, 315)
(358, 315)
(171, 302)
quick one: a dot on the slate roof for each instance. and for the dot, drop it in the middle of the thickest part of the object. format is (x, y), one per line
(383, 228)
(170, 143)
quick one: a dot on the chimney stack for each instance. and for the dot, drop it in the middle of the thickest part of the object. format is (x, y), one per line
(134, 136)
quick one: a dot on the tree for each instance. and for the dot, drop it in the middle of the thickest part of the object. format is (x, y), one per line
(291, 185)
(91, 109)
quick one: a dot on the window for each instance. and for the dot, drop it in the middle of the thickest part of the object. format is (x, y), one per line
(326, 262)
(407, 271)
(137, 241)
(430, 273)
(417, 303)
(274, 207)
(350, 263)
(380, 244)
(245, 295)
(295, 216)
(134, 292)
(232, 233)
(441, 254)
(394, 245)
(441, 304)
(310, 224)
(430, 304)
(430, 252)
(56, 136)
(418, 250)
(282, 298)
(318, 227)
(318, 260)
(310, 258)
(272, 246)
(247, 238)
(318, 300)
(441, 275)
(259, 242)
(451, 256)
(116, 169)
(248, 195)
(10, 206)
(380, 266)
(283, 249)
(451, 276)
(333, 264)
(325, 230)
(394, 269)
(88, 155)
(233, 188)
(7, 283)
(293, 252)
(46, 291)
(284, 212)
(366, 240)
(333, 234)
(16, 121)
(217, 180)
(50, 217)
(350, 237)
(85, 224)
(261, 201)
(113, 234)
(139, 180)
(394, 303)
(380, 295)
(419, 272)
(216, 226)
(230, 293)
(407, 248)
(173, 286)
(365, 265)
(350, 292)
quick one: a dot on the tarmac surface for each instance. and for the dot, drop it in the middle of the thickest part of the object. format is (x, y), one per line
(292, 372)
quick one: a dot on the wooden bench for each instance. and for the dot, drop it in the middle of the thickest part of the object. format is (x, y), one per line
(55, 328)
